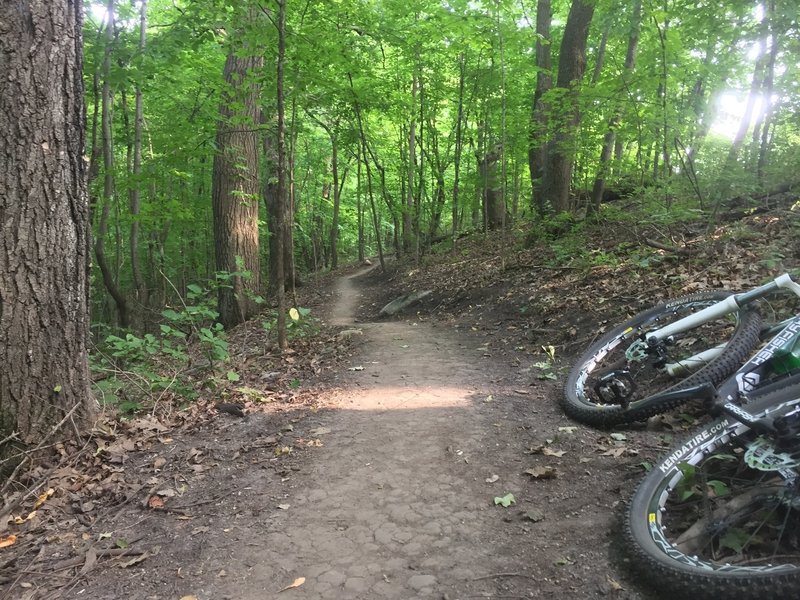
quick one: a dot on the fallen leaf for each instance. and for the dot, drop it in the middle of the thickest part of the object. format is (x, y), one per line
(43, 497)
(155, 502)
(159, 462)
(188, 597)
(90, 562)
(542, 473)
(506, 500)
(568, 429)
(295, 584)
(492, 479)
(320, 431)
(620, 437)
(615, 452)
(20, 520)
(135, 560)
(284, 506)
(534, 515)
(615, 585)
(356, 369)
(550, 452)
(7, 541)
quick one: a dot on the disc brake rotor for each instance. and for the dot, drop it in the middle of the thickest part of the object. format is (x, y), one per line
(762, 455)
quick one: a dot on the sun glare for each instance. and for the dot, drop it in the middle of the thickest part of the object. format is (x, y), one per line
(731, 107)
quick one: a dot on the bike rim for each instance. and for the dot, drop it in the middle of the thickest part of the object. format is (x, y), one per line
(714, 513)
(656, 381)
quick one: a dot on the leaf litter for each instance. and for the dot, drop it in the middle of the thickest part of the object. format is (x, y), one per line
(112, 473)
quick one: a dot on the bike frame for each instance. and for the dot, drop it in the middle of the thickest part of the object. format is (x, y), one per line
(747, 378)
(720, 309)
(725, 307)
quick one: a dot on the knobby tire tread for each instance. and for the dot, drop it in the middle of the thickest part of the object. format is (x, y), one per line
(744, 340)
(662, 573)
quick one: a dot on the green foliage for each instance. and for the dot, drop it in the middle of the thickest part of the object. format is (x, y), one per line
(299, 324)
(141, 368)
(352, 53)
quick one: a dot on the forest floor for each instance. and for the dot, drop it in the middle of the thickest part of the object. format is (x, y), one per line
(370, 459)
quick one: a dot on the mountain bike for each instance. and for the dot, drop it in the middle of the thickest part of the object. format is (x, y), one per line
(719, 515)
(640, 368)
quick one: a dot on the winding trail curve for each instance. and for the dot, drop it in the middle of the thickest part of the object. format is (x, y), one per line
(396, 505)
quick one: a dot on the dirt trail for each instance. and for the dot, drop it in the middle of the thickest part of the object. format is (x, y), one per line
(430, 424)
(396, 505)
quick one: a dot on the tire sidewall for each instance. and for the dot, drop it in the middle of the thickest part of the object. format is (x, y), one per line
(646, 538)
(571, 396)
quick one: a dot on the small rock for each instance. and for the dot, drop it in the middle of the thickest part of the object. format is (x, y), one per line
(422, 581)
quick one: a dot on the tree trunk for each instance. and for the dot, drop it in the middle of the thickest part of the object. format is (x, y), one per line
(537, 150)
(108, 178)
(408, 208)
(493, 203)
(761, 145)
(600, 59)
(337, 196)
(755, 88)
(363, 139)
(571, 65)
(459, 143)
(135, 195)
(235, 189)
(360, 207)
(609, 139)
(283, 342)
(44, 244)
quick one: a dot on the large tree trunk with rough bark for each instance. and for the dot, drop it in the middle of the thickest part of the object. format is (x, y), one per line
(44, 221)
(236, 190)
(537, 151)
(571, 65)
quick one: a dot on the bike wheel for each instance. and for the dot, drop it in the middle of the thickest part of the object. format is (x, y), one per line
(720, 516)
(605, 363)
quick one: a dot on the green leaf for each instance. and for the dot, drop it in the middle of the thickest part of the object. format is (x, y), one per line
(233, 376)
(734, 539)
(171, 315)
(620, 437)
(719, 488)
(506, 500)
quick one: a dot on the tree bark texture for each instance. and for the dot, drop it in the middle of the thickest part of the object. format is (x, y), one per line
(493, 203)
(235, 190)
(44, 219)
(408, 207)
(609, 139)
(109, 279)
(537, 151)
(571, 66)
(135, 194)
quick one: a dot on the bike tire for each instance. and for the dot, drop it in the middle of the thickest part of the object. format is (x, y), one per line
(741, 336)
(687, 545)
